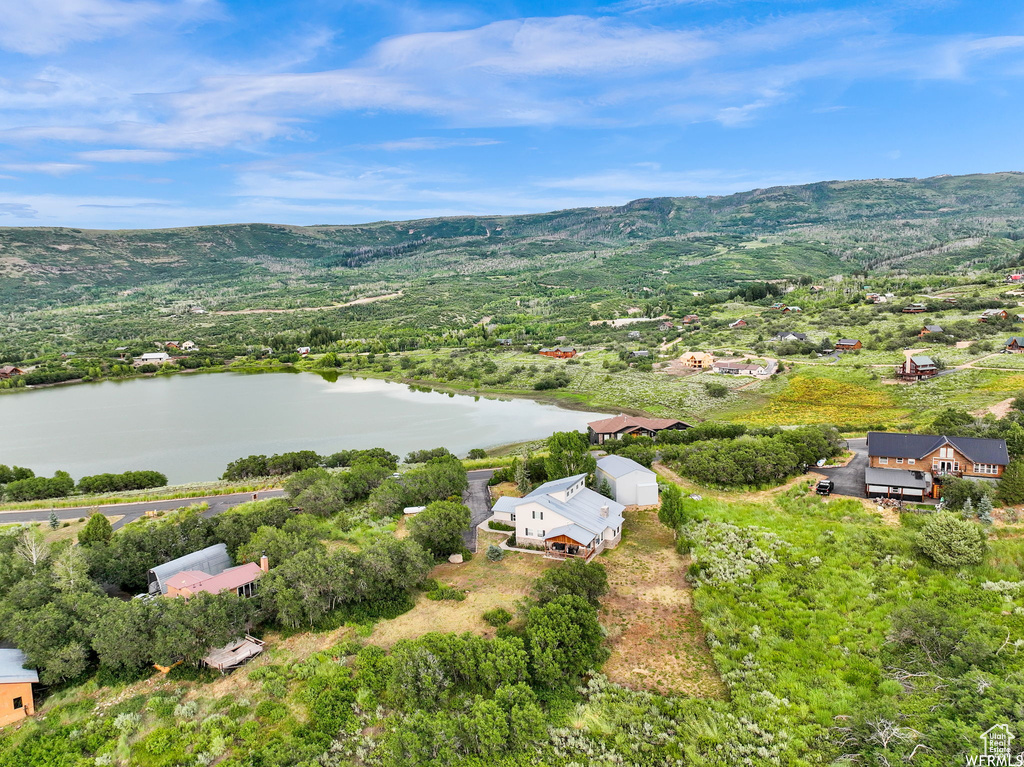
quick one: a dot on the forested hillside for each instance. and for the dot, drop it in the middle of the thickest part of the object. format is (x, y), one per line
(816, 230)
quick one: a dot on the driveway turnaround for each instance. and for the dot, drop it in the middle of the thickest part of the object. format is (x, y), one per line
(849, 479)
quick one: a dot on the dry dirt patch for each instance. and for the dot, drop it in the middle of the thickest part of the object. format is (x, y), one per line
(488, 585)
(999, 410)
(656, 639)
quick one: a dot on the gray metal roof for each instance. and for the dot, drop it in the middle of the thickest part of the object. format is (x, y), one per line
(575, 532)
(895, 478)
(979, 450)
(557, 485)
(618, 466)
(921, 360)
(12, 668)
(847, 341)
(933, 328)
(212, 560)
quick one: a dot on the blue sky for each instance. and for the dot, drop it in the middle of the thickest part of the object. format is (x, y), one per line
(123, 114)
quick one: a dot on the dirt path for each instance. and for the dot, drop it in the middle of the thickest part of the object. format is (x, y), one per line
(999, 410)
(356, 302)
(657, 642)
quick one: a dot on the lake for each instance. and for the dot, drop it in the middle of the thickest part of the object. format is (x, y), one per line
(190, 426)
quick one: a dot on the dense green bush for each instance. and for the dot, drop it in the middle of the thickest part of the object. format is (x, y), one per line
(129, 480)
(950, 541)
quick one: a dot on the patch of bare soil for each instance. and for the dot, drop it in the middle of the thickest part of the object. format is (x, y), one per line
(487, 585)
(356, 302)
(657, 641)
(999, 410)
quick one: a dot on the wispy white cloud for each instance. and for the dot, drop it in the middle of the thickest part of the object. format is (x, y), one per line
(37, 27)
(49, 168)
(428, 142)
(128, 155)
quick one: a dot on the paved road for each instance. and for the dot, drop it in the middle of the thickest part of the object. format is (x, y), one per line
(132, 511)
(849, 479)
(478, 498)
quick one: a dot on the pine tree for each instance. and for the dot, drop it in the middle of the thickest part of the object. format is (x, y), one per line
(54, 522)
(1011, 486)
(967, 510)
(985, 509)
(522, 476)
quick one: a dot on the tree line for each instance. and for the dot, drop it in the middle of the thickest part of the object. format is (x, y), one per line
(21, 484)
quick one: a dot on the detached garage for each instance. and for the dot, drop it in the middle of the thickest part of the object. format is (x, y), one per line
(631, 483)
(896, 483)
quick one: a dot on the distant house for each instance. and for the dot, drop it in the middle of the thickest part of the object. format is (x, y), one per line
(641, 354)
(153, 358)
(689, 319)
(794, 309)
(779, 306)
(303, 350)
(741, 323)
(631, 484)
(504, 342)
(633, 335)
(848, 344)
(698, 360)
(666, 326)
(197, 310)
(993, 314)
(1015, 278)
(559, 352)
(568, 519)
(949, 300)
(628, 425)
(16, 682)
(930, 329)
(1015, 344)
(172, 345)
(917, 367)
(914, 308)
(9, 371)
(1018, 318)
(747, 369)
(789, 336)
(188, 346)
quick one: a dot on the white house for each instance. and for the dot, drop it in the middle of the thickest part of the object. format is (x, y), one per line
(565, 517)
(154, 358)
(631, 483)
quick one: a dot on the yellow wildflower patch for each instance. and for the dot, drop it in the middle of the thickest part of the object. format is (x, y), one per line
(824, 400)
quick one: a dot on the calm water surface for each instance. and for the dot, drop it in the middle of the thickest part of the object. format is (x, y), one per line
(190, 426)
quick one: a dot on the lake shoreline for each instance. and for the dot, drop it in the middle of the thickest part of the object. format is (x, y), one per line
(189, 428)
(547, 398)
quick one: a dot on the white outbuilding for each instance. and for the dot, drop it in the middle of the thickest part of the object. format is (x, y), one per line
(631, 483)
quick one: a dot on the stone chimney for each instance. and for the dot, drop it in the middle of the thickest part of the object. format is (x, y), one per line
(264, 564)
(604, 510)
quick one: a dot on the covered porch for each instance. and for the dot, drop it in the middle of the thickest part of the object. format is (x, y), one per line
(571, 542)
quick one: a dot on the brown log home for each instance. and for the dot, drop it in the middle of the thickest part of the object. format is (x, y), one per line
(930, 329)
(741, 323)
(9, 371)
(917, 367)
(1015, 344)
(914, 308)
(913, 465)
(15, 687)
(993, 314)
(558, 352)
(848, 344)
(628, 425)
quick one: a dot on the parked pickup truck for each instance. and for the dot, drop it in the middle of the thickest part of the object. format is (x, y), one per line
(825, 487)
